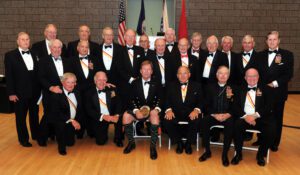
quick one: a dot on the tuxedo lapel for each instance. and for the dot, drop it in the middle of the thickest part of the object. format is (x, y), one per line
(19, 59)
(108, 101)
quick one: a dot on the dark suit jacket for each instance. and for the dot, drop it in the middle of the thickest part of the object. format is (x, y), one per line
(194, 99)
(59, 107)
(193, 65)
(72, 48)
(200, 52)
(137, 95)
(233, 60)
(114, 73)
(40, 48)
(92, 105)
(20, 81)
(239, 70)
(220, 59)
(149, 53)
(281, 72)
(174, 50)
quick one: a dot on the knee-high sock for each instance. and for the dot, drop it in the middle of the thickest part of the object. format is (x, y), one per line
(129, 132)
(154, 134)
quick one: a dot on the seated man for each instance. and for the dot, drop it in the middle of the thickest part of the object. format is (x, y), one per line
(146, 93)
(64, 110)
(103, 106)
(218, 105)
(183, 103)
(253, 110)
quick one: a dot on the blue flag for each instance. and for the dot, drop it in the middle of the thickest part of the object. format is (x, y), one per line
(141, 28)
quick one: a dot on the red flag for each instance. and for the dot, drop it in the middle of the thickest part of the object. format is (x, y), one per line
(122, 23)
(182, 32)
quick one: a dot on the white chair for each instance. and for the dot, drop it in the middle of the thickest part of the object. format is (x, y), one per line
(145, 136)
(244, 147)
(184, 139)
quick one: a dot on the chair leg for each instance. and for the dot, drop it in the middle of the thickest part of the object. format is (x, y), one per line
(197, 142)
(159, 141)
(169, 145)
(268, 156)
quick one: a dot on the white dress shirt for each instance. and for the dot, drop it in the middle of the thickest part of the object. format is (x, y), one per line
(47, 46)
(84, 65)
(103, 105)
(207, 65)
(27, 58)
(59, 66)
(249, 107)
(107, 56)
(246, 58)
(72, 104)
(161, 63)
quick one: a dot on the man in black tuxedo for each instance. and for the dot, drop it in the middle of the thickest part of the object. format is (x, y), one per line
(218, 105)
(145, 93)
(42, 48)
(84, 35)
(23, 88)
(171, 44)
(145, 43)
(132, 57)
(196, 41)
(184, 102)
(184, 58)
(83, 66)
(253, 109)
(51, 69)
(211, 60)
(64, 112)
(276, 69)
(103, 106)
(227, 44)
(246, 59)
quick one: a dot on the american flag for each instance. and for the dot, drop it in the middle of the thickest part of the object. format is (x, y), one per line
(122, 23)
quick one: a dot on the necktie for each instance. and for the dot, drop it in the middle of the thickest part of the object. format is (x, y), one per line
(253, 88)
(244, 54)
(210, 55)
(274, 51)
(107, 46)
(23, 52)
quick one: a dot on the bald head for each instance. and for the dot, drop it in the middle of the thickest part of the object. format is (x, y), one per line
(183, 45)
(23, 40)
(251, 77)
(100, 80)
(129, 37)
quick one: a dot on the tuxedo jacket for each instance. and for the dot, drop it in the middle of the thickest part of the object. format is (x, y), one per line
(216, 99)
(193, 65)
(174, 49)
(200, 52)
(220, 59)
(59, 107)
(83, 83)
(149, 53)
(127, 70)
(113, 74)
(194, 98)
(170, 75)
(281, 70)
(233, 62)
(19, 80)
(137, 95)
(72, 48)
(239, 70)
(40, 48)
(92, 105)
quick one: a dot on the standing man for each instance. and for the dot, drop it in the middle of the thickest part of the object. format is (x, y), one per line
(276, 68)
(145, 43)
(196, 41)
(171, 44)
(23, 87)
(227, 44)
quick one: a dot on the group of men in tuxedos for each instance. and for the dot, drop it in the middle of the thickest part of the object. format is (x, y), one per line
(87, 86)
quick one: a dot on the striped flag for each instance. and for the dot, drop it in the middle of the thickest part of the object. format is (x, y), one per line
(141, 27)
(164, 24)
(122, 23)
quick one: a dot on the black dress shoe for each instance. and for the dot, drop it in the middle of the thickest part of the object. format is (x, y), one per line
(26, 144)
(153, 153)
(236, 159)
(257, 143)
(225, 161)
(261, 161)
(42, 143)
(179, 148)
(118, 143)
(205, 156)
(274, 148)
(129, 147)
(62, 152)
(188, 148)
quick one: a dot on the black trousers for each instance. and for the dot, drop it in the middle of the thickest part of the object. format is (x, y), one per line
(209, 121)
(101, 131)
(65, 135)
(266, 127)
(176, 132)
(278, 117)
(22, 106)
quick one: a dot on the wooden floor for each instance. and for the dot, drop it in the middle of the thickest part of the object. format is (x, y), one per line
(88, 158)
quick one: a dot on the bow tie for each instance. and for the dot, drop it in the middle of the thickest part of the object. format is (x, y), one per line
(274, 51)
(70, 92)
(210, 55)
(107, 46)
(183, 84)
(160, 57)
(56, 59)
(83, 58)
(253, 88)
(244, 54)
(103, 90)
(23, 52)
(195, 51)
(129, 48)
(147, 82)
(169, 45)
(183, 55)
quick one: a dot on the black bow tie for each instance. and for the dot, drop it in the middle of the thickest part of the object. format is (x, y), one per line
(183, 84)
(147, 82)
(129, 48)
(83, 58)
(107, 46)
(253, 88)
(244, 54)
(210, 54)
(169, 45)
(160, 57)
(103, 90)
(70, 92)
(56, 59)
(274, 51)
(23, 52)
(196, 51)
